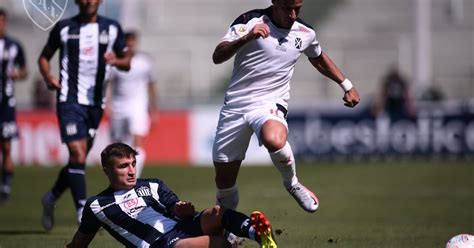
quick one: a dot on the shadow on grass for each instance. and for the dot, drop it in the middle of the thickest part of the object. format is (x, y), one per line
(21, 232)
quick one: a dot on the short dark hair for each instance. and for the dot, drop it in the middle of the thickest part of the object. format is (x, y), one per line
(131, 34)
(3, 12)
(116, 150)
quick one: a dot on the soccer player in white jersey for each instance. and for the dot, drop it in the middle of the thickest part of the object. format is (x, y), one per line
(131, 96)
(12, 68)
(266, 44)
(146, 213)
(89, 45)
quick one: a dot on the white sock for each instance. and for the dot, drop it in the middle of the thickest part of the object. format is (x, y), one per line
(140, 161)
(284, 160)
(228, 197)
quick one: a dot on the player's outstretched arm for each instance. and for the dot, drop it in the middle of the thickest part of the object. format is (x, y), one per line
(81, 240)
(226, 49)
(328, 68)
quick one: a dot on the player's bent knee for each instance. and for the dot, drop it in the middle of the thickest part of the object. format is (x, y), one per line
(211, 221)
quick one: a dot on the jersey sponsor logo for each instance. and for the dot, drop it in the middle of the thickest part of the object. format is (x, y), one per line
(45, 13)
(298, 43)
(88, 51)
(130, 204)
(143, 191)
(73, 37)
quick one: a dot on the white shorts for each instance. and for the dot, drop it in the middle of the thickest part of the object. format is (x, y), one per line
(124, 126)
(234, 131)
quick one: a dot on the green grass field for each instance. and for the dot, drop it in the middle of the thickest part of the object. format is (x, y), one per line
(363, 205)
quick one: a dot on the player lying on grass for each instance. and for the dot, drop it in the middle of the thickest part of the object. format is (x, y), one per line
(146, 213)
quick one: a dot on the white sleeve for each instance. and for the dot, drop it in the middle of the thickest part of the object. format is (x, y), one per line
(314, 49)
(151, 76)
(235, 32)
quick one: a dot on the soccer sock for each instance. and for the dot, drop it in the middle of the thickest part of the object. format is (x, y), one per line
(228, 197)
(77, 183)
(284, 161)
(6, 177)
(238, 224)
(62, 183)
(140, 161)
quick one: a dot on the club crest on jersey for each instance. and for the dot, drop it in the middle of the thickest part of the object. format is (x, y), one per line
(298, 43)
(103, 37)
(143, 191)
(45, 13)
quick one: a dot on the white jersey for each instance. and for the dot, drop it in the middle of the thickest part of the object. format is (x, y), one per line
(263, 67)
(130, 89)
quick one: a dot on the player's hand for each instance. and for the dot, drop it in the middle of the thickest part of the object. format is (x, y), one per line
(52, 83)
(351, 98)
(110, 58)
(259, 30)
(184, 209)
(14, 74)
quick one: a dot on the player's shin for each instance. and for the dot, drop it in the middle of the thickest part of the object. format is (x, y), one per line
(284, 161)
(77, 183)
(228, 197)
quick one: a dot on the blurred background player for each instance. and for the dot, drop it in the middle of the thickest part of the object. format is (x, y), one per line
(146, 213)
(266, 44)
(89, 44)
(131, 96)
(395, 98)
(12, 68)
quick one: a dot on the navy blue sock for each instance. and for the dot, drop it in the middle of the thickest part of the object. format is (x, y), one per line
(6, 177)
(238, 224)
(77, 183)
(62, 182)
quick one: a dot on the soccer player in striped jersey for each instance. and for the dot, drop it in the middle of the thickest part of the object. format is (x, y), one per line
(12, 68)
(266, 44)
(89, 45)
(146, 213)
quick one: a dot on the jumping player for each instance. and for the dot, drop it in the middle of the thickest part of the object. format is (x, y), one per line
(266, 44)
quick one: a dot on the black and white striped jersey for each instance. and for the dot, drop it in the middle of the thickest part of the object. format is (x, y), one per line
(12, 57)
(82, 47)
(136, 217)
